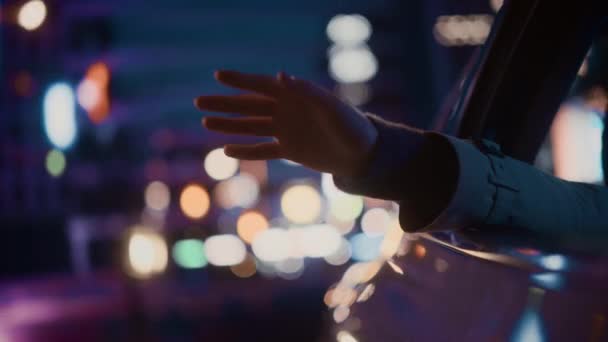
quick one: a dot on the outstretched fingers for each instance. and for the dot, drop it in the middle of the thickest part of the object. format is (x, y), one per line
(245, 104)
(261, 151)
(262, 84)
(257, 126)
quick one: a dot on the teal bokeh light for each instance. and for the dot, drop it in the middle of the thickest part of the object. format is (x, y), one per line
(189, 253)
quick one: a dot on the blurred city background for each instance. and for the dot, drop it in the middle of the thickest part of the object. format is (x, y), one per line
(122, 219)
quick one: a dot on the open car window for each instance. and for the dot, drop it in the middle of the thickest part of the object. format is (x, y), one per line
(575, 145)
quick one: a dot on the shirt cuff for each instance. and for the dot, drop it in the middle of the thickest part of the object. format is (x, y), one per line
(441, 182)
(475, 194)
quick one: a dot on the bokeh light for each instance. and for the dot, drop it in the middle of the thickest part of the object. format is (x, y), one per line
(352, 65)
(345, 207)
(441, 265)
(293, 266)
(242, 191)
(419, 251)
(378, 203)
(341, 255)
(366, 293)
(194, 201)
(355, 94)
(530, 326)
(157, 196)
(55, 162)
(189, 253)
(496, 5)
(340, 295)
(341, 313)
(92, 92)
(396, 268)
(548, 280)
(88, 94)
(375, 222)
(245, 269)
(219, 166)
(345, 336)
(60, 115)
(225, 250)
(554, 262)
(31, 14)
(577, 144)
(258, 169)
(301, 204)
(365, 248)
(328, 187)
(273, 245)
(266, 269)
(459, 30)
(392, 240)
(361, 272)
(344, 227)
(250, 224)
(316, 241)
(348, 29)
(146, 252)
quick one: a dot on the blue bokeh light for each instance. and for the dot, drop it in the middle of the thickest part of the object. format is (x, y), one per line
(365, 248)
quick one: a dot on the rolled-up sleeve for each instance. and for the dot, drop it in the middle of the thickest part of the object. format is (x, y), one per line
(444, 183)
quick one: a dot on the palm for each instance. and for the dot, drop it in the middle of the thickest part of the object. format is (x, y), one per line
(310, 125)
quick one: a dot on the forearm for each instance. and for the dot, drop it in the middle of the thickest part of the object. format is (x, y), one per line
(407, 165)
(444, 183)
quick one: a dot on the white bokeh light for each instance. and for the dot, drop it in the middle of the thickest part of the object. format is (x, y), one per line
(32, 14)
(392, 240)
(341, 255)
(345, 207)
(301, 204)
(316, 241)
(157, 195)
(242, 191)
(88, 94)
(348, 29)
(219, 166)
(290, 265)
(459, 30)
(60, 115)
(147, 253)
(273, 245)
(345, 336)
(375, 221)
(225, 250)
(352, 65)
(576, 141)
(328, 187)
(554, 262)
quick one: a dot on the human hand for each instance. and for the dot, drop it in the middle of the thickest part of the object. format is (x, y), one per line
(310, 125)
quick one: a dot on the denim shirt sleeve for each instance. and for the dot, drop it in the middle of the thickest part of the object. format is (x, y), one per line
(444, 183)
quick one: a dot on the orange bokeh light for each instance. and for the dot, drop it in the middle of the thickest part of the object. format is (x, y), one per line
(420, 251)
(250, 224)
(93, 92)
(194, 201)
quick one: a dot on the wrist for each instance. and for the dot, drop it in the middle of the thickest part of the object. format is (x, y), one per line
(379, 170)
